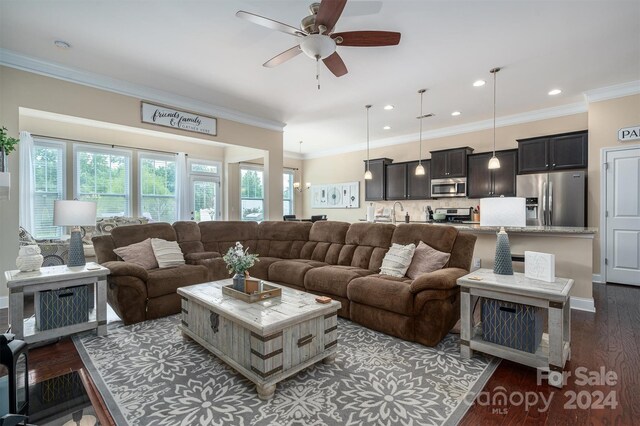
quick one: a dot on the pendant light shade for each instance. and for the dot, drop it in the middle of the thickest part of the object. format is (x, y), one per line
(494, 163)
(367, 174)
(420, 168)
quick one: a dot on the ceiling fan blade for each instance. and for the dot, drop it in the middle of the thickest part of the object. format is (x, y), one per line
(367, 38)
(282, 57)
(270, 23)
(329, 13)
(335, 64)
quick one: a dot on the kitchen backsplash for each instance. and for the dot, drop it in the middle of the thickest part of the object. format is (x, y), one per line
(417, 209)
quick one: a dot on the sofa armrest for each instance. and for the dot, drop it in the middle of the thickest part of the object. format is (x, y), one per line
(120, 269)
(442, 279)
(201, 255)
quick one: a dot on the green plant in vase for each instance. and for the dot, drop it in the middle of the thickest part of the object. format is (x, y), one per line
(7, 146)
(239, 260)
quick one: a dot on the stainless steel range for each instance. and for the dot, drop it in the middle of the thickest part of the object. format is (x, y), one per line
(454, 215)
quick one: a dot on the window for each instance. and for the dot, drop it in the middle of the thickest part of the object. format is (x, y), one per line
(200, 167)
(158, 188)
(252, 193)
(49, 184)
(102, 175)
(287, 192)
(205, 197)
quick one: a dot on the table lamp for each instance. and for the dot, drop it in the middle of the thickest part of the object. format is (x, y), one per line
(503, 211)
(76, 214)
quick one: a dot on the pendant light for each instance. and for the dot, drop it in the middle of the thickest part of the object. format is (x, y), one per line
(297, 185)
(367, 174)
(494, 163)
(420, 167)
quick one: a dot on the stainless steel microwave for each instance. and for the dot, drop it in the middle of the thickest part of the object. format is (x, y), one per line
(451, 187)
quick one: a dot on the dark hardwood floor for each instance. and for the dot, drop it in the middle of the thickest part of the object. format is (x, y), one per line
(608, 341)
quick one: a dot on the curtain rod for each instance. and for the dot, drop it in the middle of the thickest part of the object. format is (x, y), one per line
(106, 144)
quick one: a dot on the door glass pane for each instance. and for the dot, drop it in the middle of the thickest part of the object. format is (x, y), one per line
(205, 199)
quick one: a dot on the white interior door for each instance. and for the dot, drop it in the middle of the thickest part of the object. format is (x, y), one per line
(623, 216)
(205, 198)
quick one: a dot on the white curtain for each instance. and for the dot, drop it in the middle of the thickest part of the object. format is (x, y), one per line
(182, 187)
(26, 181)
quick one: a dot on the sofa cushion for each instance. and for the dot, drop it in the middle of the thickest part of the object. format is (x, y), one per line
(261, 268)
(371, 241)
(332, 279)
(168, 280)
(439, 237)
(426, 259)
(397, 260)
(326, 239)
(125, 235)
(384, 292)
(282, 239)
(188, 236)
(289, 272)
(139, 253)
(221, 235)
(167, 253)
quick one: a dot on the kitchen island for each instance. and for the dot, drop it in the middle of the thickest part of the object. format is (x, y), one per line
(572, 247)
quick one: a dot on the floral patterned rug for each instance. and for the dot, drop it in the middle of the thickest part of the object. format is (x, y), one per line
(149, 374)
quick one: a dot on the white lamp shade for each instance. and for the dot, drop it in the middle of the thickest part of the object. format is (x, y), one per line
(503, 211)
(74, 213)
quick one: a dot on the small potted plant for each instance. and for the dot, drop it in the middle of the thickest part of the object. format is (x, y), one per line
(238, 262)
(7, 146)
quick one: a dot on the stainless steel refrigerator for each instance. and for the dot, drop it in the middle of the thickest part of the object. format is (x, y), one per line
(555, 198)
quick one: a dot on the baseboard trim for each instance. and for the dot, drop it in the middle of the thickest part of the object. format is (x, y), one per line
(4, 302)
(583, 304)
(597, 278)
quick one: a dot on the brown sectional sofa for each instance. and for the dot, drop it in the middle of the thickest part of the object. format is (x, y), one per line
(336, 259)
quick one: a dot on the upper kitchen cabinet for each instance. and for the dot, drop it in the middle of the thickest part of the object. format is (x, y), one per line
(449, 163)
(549, 153)
(396, 181)
(419, 187)
(483, 182)
(374, 189)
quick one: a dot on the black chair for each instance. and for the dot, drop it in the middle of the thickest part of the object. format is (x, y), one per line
(315, 218)
(289, 217)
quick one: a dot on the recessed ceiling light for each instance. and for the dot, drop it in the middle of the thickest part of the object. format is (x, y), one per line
(61, 44)
(386, 127)
(455, 113)
(555, 92)
(479, 83)
(388, 107)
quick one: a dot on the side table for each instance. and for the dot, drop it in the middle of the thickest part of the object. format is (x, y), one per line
(50, 278)
(555, 349)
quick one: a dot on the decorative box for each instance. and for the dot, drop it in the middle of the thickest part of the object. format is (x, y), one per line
(512, 324)
(63, 307)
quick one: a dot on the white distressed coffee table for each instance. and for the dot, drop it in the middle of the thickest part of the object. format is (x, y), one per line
(265, 341)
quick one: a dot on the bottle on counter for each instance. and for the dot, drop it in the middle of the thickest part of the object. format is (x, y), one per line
(406, 218)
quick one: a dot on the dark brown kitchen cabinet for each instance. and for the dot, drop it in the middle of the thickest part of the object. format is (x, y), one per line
(557, 152)
(483, 182)
(396, 181)
(374, 189)
(449, 163)
(419, 187)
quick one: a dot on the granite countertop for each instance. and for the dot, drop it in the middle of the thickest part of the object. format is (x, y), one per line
(475, 227)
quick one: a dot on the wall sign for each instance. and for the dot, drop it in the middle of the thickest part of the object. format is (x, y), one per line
(629, 134)
(178, 119)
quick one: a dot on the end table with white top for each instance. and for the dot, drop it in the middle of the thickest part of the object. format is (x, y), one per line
(555, 348)
(52, 278)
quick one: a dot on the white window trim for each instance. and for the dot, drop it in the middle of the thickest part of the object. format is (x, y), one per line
(258, 168)
(292, 172)
(145, 155)
(217, 164)
(51, 143)
(93, 148)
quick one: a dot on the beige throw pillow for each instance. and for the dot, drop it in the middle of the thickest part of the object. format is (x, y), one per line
(397, 260)
(168, 253)
(426, 259)
(139, 253)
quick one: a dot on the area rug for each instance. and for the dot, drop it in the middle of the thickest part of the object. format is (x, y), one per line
(149, 374)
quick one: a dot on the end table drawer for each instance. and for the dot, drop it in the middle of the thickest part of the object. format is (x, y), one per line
(60, 308)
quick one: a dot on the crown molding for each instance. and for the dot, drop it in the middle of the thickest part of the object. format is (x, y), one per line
(509, 120)
(612, 92)
(49, 69)
(293, 155)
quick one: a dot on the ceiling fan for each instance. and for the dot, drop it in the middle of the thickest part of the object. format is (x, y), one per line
(317, 39)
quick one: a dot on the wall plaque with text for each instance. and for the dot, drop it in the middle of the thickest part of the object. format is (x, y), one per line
(184, 120)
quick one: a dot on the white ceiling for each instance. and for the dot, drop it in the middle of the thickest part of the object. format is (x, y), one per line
(199, 49)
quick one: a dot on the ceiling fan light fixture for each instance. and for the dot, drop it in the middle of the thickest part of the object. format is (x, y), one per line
(317, 46)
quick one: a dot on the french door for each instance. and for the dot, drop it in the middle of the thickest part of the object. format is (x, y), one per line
(205, 198)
